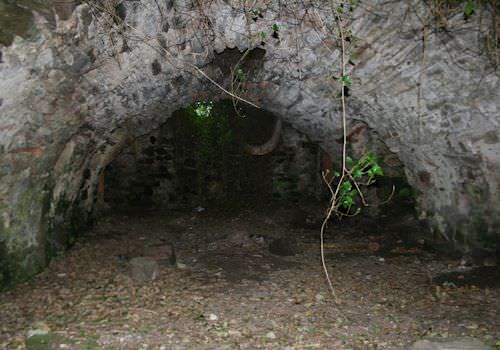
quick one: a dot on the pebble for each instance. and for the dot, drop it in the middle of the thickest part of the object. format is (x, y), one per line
(213, 317)
(271, 335)
(39, 328)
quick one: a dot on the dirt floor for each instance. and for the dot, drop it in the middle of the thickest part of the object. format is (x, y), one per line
(226, 289)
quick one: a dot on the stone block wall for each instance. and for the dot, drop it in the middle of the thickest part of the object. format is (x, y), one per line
(157, 170)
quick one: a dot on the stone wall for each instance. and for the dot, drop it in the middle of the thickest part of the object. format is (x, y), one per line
(159, 170)
(74, 93)
(145, 172)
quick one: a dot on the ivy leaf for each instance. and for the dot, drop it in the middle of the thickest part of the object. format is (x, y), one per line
(349, 161)
(346, 80)
(336, 174)
(347, 201)
(357, 174)
(276, 27)
(340, 9)
(346, 186)
(377, 170)
(199, 317)
(469, 8)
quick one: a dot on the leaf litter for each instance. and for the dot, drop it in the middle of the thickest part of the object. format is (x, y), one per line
(227, 291)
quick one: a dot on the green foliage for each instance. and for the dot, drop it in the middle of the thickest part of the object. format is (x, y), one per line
(406, 192)
(199, 317)
(362, 172)
(241, 76)
(346, 80)
(207, 132)
(210, 132)
(276, 28)
(256, 13)
(53, 341)
(203, 109)
(45, 342)
(469, 8)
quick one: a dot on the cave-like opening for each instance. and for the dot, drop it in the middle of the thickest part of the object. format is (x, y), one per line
(201, 158)
(215, 158)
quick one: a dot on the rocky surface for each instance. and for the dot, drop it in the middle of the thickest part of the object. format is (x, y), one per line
(74, 93)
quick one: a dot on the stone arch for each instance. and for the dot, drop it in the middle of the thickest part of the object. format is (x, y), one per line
(72, 96)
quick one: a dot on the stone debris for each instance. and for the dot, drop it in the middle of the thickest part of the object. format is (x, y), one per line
(144, 269)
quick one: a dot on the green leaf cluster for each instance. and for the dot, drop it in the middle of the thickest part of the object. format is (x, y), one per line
(359, 172)
(207, 130)
(346, 80)
(469, 8)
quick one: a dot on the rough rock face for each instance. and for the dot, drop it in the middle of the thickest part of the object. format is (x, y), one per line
(74, 93)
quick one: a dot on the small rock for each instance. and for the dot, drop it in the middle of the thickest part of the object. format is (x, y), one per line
(199, 209)
(319, 297)
(213, 317)
(39, 328)
(181, 265)
(464, 343)
(143, 269)
(271, 335)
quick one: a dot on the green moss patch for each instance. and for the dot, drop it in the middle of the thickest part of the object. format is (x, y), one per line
(48, 341)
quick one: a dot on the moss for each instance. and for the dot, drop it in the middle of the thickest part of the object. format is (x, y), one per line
(38, 232)
(17, 265)
(44, 342)
(21, 251)
(52, 341)
(63, 225)
(14, 21)
(286, 188)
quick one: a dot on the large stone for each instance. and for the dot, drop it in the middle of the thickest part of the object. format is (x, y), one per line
(144, 269)
(464, 343)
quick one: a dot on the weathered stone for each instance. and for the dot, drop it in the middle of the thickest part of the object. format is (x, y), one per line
(144, 269)
(464, 343)
(81, 79)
